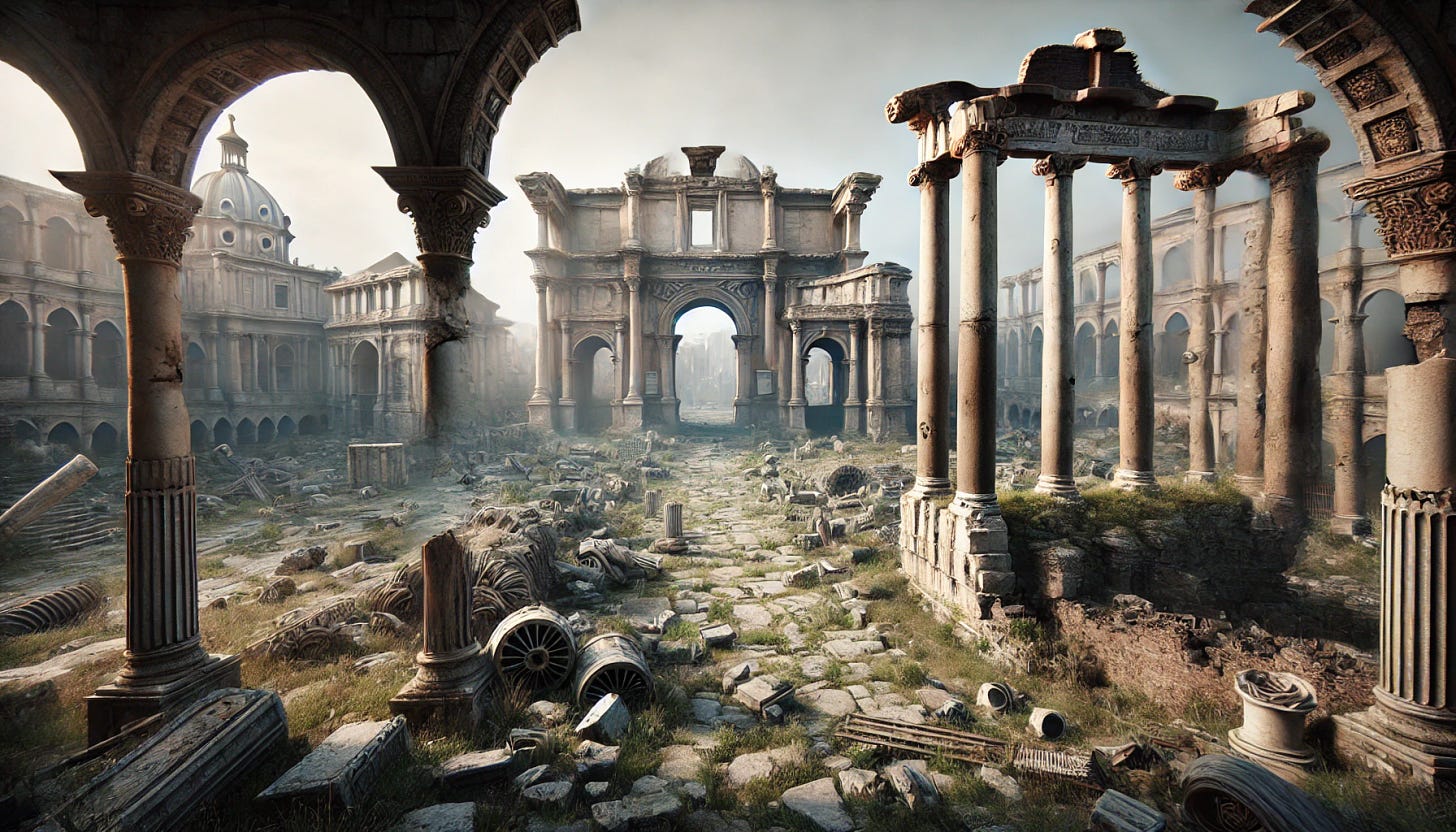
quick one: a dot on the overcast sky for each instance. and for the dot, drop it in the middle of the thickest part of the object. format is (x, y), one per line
(796, 84)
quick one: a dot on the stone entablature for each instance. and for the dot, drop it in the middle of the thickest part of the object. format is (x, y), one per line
(616, 267)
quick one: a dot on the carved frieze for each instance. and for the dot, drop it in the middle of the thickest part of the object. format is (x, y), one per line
(1415, 210)
(1366, 86)
(1392, 135)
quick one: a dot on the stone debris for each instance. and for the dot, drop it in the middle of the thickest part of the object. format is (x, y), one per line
(820, 804)
(1116, 812)
(717, 635)
(762, 692)
(910, 780)
(736, 675)
(860, 783)
(606, 721)
(343, 768)
(52, 609)
(276, 590)
(596, 761)
(534, 776)
(647, 806)
(542, 795)
(1003, 784)
(752, 766)
(442, 817)
(303, 559)
(478, 768)
(549, 713)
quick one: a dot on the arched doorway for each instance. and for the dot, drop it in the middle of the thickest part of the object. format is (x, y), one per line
(266, 431)
(247, 432)
(65, 435)
(1385, 343)
(108, 356)
(61, 361)
(1084, 351)
(14, 340)
(200, 435)
(1034, 371)
(363, 385)
(593, 384)
(1176, 271)
(1168, 351)
(222, 432)
(705, 365)
(58, 244)
(104, 439)
(286, 427)
(826, 387)
(194, 374)
(12, 234)
(308, 426)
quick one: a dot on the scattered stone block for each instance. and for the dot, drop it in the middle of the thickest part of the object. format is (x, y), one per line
(678, 651)
(606, 721)
(705, 710)
(276, 590)
(805, 577)
(760, 692)
(477, 768)
(748, 767)
(912, 784)
(846, 649)
(550, 713)
(859, 554)
(831, 702)
(191, 760)
(820, 804)
(636, 811)
(535, 775)
(752, 616)
(327, 526)
(525, 739)
(345, 765)
(442, 817)
(645, 613)
(1116, 812)
(1003, 784)
(859, 782)
(302, 559)
(774, 714)
(547, 794)
(596, 790)
(953, 711)
(809, 541)
(736, 675)
(594, 760)
(718, 635)
(845, 591)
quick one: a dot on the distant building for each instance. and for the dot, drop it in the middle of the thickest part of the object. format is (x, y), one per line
(258, 363)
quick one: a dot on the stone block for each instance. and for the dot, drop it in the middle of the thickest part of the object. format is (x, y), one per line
(760, 764)
(860, 783)
(345, 765)
(596, 761)
(606, 721)
(1116, 812)
(637, 811)
(678, 651)
(996, 583)
(993, 563)
(442, 817)
(760, 692)
(542, 795)
(912, 784)
(477, 768)
(1003, 784)
(820, 804)
(191, 760)
(718, 635)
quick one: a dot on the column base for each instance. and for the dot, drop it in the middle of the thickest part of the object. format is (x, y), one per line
(1059, 486)
(929, 487)
(854, 417)
(1376, 740)
(981, 552)
(538, 413)
(113, 706)
(1286, 513)
(1194, 477)
(566, 415)
(458, 704)
(796, 415)
(742, 412)
(1357, 525)
(1129, 480)
(632, 415)
(1250, 485)
(1293, 767)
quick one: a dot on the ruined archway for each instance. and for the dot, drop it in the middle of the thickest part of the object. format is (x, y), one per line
(200, 436)
(108, 356)
(593, 383)
(65, 435)
(1385, 343)
(1170, 344)
(222, 432)
(14, 340)
(12, 230)
(704, 363)
(58, 244)
(194, 369)
(266, 430)
(826, 386)
(286, 427)
(247, 432)
(363, 385)
(1084, 352)
(62, 359)
(104, 439)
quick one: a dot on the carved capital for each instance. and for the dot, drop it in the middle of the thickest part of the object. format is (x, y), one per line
(149, 219)
(1058, 164)
(1131, 170)
(943, 169)
(1415, 211)
(448, 205)
(768, 183)
(632, 266)
(542, 282)
(794, 326)
(1293, 160)
(980, 140)
(1200, 178)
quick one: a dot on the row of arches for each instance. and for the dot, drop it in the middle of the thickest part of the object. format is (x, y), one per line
(62, 354)
(104, 438)
(59, 240)
(247, 432)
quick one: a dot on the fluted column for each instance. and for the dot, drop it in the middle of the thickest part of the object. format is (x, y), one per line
(1058, 372)
(797, 400)
(632, 404)
(1347, 380)
(875, 421)
(1135, 351)
(771, 311)
(619, 362)
(854, 397)
(932, 404)
(1292, 403)
(1203, 182)
(448, 205)
(164, 664)
(538, 407)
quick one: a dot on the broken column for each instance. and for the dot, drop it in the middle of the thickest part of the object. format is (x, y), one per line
(797, 401)
(1057, 368)
(1292, 400)
(448, 205)
(380, 464)
(165, 666)
(673, 520)
(1275, 707)
(453, 676)
(1249, 450)
(1346, 411)
(932, 453)
(46, 495)
(1135, 352)
(1203, 181)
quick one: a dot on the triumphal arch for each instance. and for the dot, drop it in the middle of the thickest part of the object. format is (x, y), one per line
(615, 268)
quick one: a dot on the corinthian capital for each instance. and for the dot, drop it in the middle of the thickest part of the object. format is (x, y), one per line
(1130, 170)
(980, 140)
(1415, 210)
(149, 219)
(448, 205)
(1058, 164)
(1200, 178)
(1298, 157)
(942, 169)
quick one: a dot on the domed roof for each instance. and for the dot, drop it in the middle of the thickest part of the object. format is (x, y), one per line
(730, 165)
(230, 193)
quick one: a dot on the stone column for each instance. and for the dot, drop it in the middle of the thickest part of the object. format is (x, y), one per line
(743, 394)
(771, 310)
(979, 542)
(1058, 370)
(1253, 290)
(1203, 181)
(1135, 351)
(165, 665)
(619, 363)
(566, 405)
(672, 520)
(37, 346)
(632, 404)
(932, 403)
(83, 339)
(1097, 340)
(448, 204)
(1347, 402)
(797, 401)
(538, 408)
(235, 363)
(1292, 408)
(875, 416)
(853, 400)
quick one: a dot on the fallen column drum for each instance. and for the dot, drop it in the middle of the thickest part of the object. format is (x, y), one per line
(534, 648)
(613, 663)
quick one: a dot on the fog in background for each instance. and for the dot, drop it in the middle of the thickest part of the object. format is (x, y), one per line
(799, 85)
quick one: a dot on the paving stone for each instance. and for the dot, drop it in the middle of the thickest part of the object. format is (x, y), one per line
(344, 766)
(533, 776)
(644, 613)
(679, 762)
(859, 692)
(442, 817)
(746, 767)
(636, 811)
(542, 795)
(846, 649)
(718, 635)
(837, 763)
(477, 767)
(830, 702)
(763, 691)
(814, 667)
(705, 710)
(820, 803)
(752, 616)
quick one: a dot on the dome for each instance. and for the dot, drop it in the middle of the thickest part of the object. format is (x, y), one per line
(729, 165)
(250, 218)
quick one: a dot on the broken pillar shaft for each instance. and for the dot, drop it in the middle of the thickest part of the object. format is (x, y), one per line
(44, 497)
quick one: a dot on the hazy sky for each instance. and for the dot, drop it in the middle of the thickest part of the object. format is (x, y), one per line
(796, 84)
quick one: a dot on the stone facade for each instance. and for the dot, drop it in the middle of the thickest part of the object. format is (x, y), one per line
(616, 267)
(261, 331)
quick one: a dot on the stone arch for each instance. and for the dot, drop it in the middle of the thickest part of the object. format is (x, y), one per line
(247, 432)
(593, 405)
(1013, 416)
(308, 425)
(267, 431)
(12, 233)
(47, 58)
(200, 435)
(824, 412)
(1384, 332)
(363, 384)
(61, 358)
(25, 431)
(720, 299)
(1113, 281)
(14, 340)
(105, 439)
(1110, 354)
(1175, 269)
(1170, 343)
(1036, 340)
(194, 374)
(286, 427)
(108, 355)
(64, 434)
(222, 432)
(1086, 286)
(1374, 447)
(1084, 352)
(58, 244)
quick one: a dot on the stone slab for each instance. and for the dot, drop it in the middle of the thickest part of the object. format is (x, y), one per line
(343, 768)
(477, 767)
(442, 817)
(820, 803)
